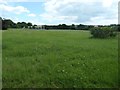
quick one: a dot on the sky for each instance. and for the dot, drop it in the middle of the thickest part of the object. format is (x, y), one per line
(54, 12)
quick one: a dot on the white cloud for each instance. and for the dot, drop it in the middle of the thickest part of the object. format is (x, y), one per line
(102, 21)
(3, 2)
(17, 19)
(32, 15)
(81, 11)
(12, 9)
(22, 0)
(35, 21)
(70, 11)
(107, 3)
(55, 17)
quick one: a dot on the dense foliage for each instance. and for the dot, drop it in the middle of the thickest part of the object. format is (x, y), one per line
(103, 32)
(7, 23)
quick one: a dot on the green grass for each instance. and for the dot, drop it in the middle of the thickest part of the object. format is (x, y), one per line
(58, 59)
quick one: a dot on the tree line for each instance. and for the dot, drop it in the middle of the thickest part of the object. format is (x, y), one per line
(7, 23)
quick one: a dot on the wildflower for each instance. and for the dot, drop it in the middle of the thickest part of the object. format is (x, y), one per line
(63, 70)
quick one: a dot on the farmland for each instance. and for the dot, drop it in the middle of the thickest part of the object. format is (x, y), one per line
(55, 59)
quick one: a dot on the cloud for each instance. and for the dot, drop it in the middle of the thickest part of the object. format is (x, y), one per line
(69, 11)
(3, 2)
(22, 0)
(101, 21)
(55, 17)
(32, 15)
(81, 11)
(13, 9)
(107, 3)
(35, 21)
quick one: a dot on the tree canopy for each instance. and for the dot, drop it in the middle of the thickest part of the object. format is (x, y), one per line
(7, 23)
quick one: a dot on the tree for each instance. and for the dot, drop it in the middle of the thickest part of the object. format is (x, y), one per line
(63, 26)
(10, 23)
(19, 25)
(22, 25)
(72, 27)
(4, 25)
(29, 25)
(0, 23)
(118, 28)
(34, 26)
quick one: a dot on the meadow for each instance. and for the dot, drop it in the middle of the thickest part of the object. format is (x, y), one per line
(58, 59)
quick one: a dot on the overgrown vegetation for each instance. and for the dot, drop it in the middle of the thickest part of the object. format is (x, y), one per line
(103, 32)
(57, 59)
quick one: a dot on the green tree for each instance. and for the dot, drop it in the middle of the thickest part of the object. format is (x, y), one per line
(29, 25)
(4, 25)
(72, 27)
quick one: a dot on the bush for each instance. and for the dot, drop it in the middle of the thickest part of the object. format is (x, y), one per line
(103, 32)
(4, 25)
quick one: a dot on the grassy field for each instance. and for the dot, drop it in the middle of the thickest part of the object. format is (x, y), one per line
(58, 59)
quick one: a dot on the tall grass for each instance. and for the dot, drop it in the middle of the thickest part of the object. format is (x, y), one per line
(57, 59)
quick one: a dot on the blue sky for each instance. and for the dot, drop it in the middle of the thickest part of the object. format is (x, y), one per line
(102, 12)
(34, 7)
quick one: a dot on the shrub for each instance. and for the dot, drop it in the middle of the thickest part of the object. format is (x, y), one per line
(103, 32)
(4, 25)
